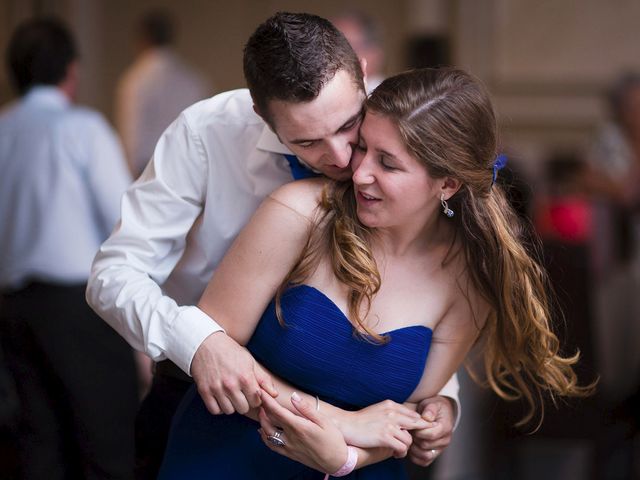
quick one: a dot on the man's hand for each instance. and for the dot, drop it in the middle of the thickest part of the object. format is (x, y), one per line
(429, 442)
(383, 424)
(228, 378)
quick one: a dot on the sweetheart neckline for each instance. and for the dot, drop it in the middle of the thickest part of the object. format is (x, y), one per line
(344, 316)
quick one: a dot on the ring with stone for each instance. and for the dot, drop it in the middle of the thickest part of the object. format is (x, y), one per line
(276, 439)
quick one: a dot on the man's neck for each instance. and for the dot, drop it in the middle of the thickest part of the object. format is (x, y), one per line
(68, 87)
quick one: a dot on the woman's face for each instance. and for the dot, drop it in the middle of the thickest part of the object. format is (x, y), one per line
(392, 187)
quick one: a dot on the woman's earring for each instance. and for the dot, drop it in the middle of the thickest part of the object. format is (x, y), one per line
(445, 207)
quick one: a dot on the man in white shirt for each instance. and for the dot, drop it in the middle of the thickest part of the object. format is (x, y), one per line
(63, 174)
(153, 90)
(210, 170)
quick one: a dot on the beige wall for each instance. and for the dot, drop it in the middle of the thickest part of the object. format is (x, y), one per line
(545, 61)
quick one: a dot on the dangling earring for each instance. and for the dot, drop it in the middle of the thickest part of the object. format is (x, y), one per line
(445, 207)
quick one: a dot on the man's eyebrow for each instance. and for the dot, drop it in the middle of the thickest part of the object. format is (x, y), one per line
(352, 120)
(349, 122)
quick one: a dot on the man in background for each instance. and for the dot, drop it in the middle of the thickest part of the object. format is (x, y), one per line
(365, 37)
(63, 174)
(153, 90)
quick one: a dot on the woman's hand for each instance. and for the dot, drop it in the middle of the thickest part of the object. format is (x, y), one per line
(310, 438)
(385, 424)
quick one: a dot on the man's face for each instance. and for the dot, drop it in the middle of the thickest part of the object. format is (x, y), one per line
(324, 131)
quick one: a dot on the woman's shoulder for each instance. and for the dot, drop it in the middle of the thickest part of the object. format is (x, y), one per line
(465, 305)
(469, 307)
(302, 196)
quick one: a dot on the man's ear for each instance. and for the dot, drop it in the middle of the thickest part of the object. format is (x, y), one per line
(363, 65)
(69, 84)
(449, 186)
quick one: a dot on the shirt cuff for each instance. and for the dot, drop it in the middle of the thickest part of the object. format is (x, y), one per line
(190, 328)
(451, 391)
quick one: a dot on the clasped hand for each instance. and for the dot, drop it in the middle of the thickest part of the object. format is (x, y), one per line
(386, 424)
(227, 376)
(316, 441)
(229, 380)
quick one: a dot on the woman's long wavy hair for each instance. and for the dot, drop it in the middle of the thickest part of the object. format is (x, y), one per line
(446, 120)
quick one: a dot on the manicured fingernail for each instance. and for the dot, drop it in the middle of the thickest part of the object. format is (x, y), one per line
(295, 397)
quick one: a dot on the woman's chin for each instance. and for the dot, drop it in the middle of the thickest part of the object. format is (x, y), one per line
(367, 220)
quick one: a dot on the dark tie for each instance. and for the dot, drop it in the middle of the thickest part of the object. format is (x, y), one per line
(298, 170)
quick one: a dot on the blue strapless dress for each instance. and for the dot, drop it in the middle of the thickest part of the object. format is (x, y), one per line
(317, 352)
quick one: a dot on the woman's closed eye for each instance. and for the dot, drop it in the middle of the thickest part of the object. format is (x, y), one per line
(386, 163)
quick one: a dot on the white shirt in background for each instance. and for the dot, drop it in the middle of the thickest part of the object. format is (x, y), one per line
(62, 175)
(151, 94)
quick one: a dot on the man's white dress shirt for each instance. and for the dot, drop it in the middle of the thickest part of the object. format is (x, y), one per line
(151, 94)
(62, 173)
(210, 171)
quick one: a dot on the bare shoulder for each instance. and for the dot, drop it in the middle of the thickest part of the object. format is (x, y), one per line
(468, 309)
(472, 304)
(302, 196)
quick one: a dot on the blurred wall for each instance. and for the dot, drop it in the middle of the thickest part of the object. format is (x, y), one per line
(545, 61)
(211, 34)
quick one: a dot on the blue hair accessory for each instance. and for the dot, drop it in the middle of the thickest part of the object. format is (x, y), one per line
(499, 164)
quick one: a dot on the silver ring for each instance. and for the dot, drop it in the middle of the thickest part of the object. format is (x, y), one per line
(276, 439)
(433, 452)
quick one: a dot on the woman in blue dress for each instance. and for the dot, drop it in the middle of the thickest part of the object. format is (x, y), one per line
(376, 289)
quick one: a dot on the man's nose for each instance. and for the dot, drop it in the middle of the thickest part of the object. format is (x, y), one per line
(340, 151)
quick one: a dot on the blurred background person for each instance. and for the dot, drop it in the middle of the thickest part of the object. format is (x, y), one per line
(154, 89)
(613, 179)
(365, 36)
(615, 154)
(63, 173)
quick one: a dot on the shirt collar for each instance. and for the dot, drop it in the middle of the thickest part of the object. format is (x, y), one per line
(47, 95)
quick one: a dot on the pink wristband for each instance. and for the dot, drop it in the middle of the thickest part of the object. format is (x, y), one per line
(349, 465)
